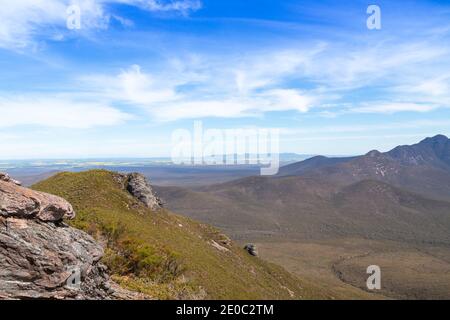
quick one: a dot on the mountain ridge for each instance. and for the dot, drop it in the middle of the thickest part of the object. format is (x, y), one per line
(423, 167)
(306, 204)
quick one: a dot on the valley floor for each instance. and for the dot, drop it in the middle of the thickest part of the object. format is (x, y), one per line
(339, 265)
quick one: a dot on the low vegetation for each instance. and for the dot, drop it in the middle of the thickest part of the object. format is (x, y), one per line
(164, 255)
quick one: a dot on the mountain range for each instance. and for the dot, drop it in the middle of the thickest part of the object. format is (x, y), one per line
(322, 220)
(401, 194)
(423, 167)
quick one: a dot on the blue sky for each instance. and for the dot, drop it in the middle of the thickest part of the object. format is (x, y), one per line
(139, 69)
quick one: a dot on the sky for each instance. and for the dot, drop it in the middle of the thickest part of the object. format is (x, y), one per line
(138, 70)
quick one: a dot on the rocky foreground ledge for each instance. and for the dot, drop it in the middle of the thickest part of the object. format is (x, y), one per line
(40, 256)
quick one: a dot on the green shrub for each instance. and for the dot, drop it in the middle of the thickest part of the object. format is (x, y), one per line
(133, 257)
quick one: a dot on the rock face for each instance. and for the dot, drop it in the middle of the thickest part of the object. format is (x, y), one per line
(19, 202)
(40, 256)
(138, 186)
(5, 177)
(251, 249)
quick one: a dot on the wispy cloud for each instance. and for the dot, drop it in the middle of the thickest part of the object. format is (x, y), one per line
(24, 23)
(164, 98)
(380, 127)
(183, 6)
(316, 74)
(393, 107)
(287, 79)
(57, 112)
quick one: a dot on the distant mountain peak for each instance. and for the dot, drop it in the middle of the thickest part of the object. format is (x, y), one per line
(373, 153)
(440, 138)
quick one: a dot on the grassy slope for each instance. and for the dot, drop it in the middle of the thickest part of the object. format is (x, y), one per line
(164, 255)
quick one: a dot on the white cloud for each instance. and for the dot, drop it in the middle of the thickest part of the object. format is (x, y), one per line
(296, 79)
(269, 68)
(227, 108)
(57, 112)
(140, 88)
(21, 20)
(367, 63)
(234, 87)
(288, 99)
(159, 94)
(196, 86)
(433, 86)
(183, 6)
(386, 107)
(388, 126)
(25, 22)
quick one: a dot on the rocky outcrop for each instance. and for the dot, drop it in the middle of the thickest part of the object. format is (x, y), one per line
(20, 202)
(6, 178)
(251, 249)
(40, 256)
(138, 186)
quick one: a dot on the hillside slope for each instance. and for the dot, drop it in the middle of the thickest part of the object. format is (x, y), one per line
(307, 208)
(299, 168)
(164, 255)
